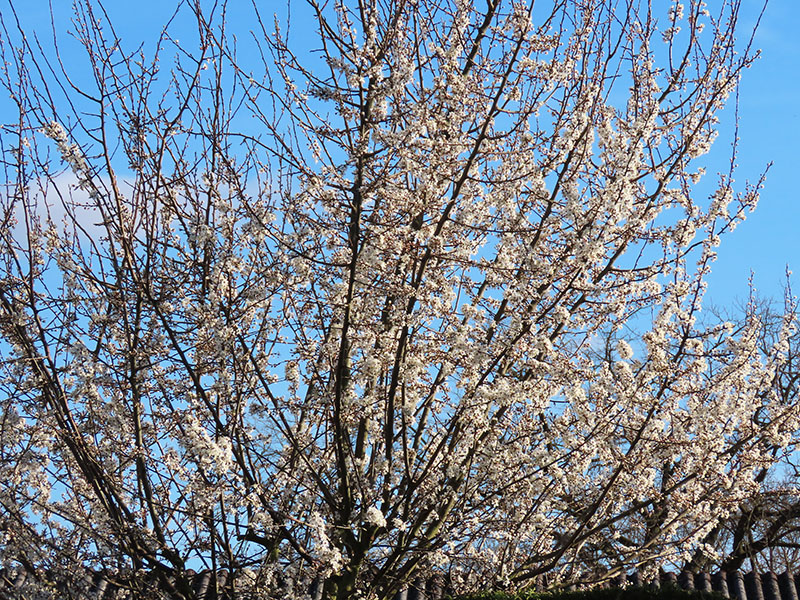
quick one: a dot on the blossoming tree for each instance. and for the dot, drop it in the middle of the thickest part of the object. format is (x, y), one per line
(348, 306)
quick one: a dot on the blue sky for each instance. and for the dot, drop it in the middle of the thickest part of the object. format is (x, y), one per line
(769, 130)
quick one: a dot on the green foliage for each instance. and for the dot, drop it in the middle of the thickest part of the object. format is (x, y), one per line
(627, 593)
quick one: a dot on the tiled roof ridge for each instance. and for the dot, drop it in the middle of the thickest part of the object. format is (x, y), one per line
(735, 585)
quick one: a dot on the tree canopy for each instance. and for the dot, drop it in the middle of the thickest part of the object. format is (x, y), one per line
(357, 305)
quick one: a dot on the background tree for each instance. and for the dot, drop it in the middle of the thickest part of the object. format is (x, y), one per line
(762, 533)
(337, 314)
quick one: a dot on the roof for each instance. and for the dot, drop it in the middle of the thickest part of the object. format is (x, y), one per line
(205, 586)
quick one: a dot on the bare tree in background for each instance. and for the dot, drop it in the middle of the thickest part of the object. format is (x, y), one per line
(335, 315)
